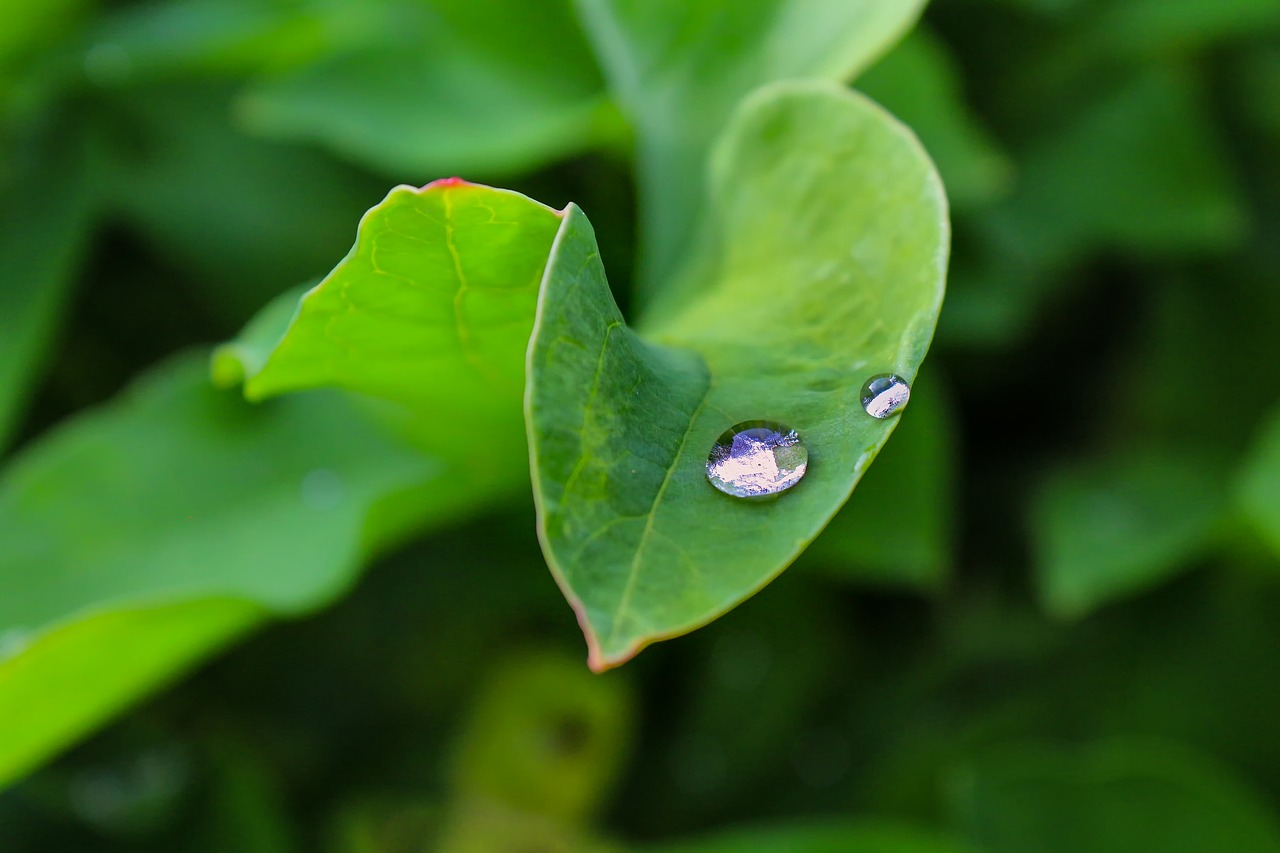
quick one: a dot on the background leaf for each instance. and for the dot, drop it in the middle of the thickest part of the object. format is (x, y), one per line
(487, 87)
(243, 219)
(918, 82)
(1117, 525)
(679, 70)
(1259, 488)
(45, 226)
(1112, 798)
(132, 505)
(65, 680)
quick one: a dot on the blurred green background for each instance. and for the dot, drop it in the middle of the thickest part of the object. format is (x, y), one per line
(1047, 620)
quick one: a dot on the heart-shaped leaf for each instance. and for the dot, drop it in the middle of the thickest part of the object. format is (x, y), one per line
(829, 236)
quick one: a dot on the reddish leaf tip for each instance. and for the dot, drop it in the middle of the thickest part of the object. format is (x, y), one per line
(447, 182)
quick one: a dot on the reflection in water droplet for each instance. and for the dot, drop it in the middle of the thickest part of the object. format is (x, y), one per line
(885, 395)
(757, 458)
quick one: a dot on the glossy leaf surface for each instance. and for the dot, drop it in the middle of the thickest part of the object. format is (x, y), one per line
(829, 255)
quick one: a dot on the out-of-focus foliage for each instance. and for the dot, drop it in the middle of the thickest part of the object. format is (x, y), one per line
(1044, 621)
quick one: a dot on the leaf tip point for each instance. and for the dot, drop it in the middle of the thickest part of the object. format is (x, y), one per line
(597, 660)
(444, 183)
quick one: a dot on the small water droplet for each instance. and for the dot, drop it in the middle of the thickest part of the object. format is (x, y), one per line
(756, 459)
(885, 395)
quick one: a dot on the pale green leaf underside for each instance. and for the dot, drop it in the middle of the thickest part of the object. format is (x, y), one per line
(680, 69)
(829, 236)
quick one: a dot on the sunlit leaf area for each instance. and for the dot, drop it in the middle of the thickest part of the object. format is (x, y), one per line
(640, 426)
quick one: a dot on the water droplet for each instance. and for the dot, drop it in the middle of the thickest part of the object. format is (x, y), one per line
(885, 395)
(756, 459)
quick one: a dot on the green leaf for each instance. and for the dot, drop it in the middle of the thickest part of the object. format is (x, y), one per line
(679, 69)
(897, 529)
(171, 39)
(236, 360)
(45, 225)
(431, 309)
(480, 87)
(1136, 167)
(919, 83)
(187, 465)
(1120, 797)
(1258, 492)
(1140, 167)
(178, 494)
(830, 244)
(64, 681)
(1152, 27)
(1122, 524)
(1255, 79)
(833, 837)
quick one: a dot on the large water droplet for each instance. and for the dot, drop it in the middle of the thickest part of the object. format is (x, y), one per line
(885, 395)
(756, 459)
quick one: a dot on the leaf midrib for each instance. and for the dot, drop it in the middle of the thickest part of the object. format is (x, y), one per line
(634, 571)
